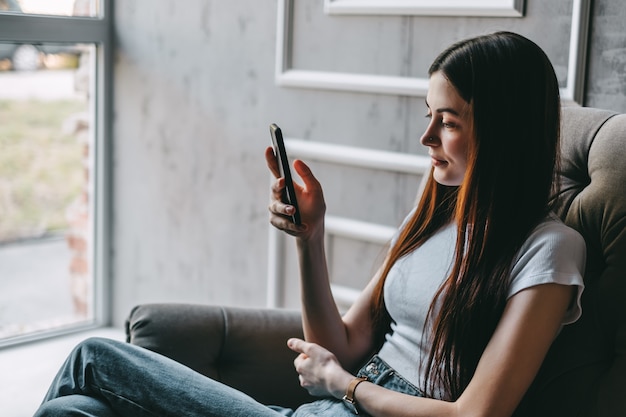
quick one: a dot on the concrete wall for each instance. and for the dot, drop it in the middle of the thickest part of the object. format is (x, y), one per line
(195, 92)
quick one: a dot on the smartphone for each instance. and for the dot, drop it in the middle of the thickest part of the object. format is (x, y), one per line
(289, 196)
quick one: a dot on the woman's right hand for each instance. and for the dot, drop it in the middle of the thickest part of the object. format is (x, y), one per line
(309, 196)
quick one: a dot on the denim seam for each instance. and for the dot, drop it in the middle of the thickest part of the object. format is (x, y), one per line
(113, 394)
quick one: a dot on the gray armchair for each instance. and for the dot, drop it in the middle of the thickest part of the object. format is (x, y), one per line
(232, 345)
(584, 373)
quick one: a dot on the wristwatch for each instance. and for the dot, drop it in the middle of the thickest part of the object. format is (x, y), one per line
(348, 399)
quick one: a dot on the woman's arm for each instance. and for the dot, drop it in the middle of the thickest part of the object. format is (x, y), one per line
(529, 324)
(349, 337)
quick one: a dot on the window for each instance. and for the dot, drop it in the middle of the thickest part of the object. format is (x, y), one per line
(88, 8)
(54, 126)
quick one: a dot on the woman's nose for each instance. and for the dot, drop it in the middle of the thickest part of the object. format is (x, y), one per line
(430, 134)
(428, 138)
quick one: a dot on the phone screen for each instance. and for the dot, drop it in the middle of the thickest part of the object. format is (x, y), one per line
(289, 196)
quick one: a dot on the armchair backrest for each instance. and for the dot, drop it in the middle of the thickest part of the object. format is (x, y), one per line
(585, 371)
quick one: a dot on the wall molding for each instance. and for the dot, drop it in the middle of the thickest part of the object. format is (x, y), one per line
(489, 8)
(286, 76)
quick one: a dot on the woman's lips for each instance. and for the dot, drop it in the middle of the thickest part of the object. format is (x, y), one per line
(437, 162)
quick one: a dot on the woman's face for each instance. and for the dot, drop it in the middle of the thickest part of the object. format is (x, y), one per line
(449, 132)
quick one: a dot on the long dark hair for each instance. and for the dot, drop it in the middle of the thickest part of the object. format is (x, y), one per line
(513, 92)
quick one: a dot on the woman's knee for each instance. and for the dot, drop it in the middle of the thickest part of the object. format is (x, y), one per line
(74, 406)
(96, 343)
(97, 346)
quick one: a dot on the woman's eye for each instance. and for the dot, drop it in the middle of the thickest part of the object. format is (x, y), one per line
(443, 123)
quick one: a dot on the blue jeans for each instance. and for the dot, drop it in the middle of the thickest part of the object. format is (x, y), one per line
(107, 378)
(378, 372)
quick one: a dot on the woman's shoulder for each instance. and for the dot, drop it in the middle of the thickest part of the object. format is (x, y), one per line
(552, 227)
(553, 237)
(553, 253)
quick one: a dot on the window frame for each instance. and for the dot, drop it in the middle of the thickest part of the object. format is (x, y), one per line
(98, 30)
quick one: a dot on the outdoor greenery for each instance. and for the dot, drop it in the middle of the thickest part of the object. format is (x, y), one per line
(41, 167)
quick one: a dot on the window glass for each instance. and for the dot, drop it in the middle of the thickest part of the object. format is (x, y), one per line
(89, 8)
(46, 145)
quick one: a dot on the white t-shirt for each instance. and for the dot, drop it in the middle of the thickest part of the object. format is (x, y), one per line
(553, 253)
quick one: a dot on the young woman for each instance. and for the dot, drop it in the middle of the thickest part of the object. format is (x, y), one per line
(477, 283)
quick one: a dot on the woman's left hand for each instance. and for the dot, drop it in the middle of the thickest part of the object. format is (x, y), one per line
(320, 372)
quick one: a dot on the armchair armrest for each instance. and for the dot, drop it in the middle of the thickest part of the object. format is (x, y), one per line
(243, 348)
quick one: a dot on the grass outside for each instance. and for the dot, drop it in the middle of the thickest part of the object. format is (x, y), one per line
(41, 167)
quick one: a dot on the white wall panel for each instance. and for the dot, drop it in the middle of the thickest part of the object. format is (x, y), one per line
(198, 82)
